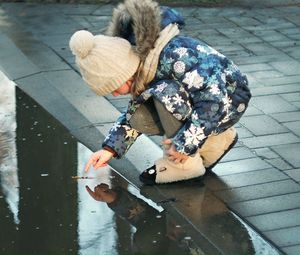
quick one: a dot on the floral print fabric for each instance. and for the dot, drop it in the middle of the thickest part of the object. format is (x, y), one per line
(199, 86)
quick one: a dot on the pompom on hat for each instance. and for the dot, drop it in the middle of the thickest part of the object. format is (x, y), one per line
(105, 62)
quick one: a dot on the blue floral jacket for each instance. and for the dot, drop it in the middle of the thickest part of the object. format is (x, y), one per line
(199, 86)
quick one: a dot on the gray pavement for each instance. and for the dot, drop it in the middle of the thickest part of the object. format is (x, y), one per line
(259, 180)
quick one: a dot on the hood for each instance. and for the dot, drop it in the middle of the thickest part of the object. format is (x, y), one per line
(140, 21)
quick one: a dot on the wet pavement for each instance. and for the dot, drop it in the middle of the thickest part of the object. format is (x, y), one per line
(250, 206)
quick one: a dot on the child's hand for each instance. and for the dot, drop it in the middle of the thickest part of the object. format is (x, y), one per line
(98, 159)
(172, 153)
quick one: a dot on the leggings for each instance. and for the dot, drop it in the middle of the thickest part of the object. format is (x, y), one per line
(152, 118)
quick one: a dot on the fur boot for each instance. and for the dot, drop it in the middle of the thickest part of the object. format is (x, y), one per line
(216, 146)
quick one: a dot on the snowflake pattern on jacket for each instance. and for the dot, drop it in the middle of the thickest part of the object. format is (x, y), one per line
(199, 86)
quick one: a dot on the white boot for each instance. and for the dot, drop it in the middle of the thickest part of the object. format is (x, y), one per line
(165, 171)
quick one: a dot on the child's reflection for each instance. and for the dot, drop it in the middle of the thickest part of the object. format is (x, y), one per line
(155, 232)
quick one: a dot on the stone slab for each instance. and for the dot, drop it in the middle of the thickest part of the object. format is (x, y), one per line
(240, 166)
(287, 67)
(294, 127)
(95, 108)
(258, 191)
(50, 98)
(262, 125)
(295, 174)
(277, 220)
(288, 116)
(244, 179)
(280, 80)
(10, 55)
(265, 153)
(290, 153)
(267, 205)
(285, 237)
(237, 154)
(279, 163)
(291, 97)
(262, 91)
(272, 104)
(270, 140)
(292, 250)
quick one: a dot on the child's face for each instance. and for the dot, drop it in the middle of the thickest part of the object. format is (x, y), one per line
(124, 89)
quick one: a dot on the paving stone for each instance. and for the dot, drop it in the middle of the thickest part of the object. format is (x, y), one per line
(244, 179)
(291, 250)
(240, 166)
(284, 44)
(243, 132)
(281, 80)
(295, 174)
(271, 26)
(245, 21)
(81, 96)
(255, 67)
(291, 97)
(285, 237)
(103, 10)
(238, 153)
(270, 140)
(294, 52)
(270, 35)
(261, 91)
(262, 125)
(265, 153)
(272, 104)
(253, 81)
(263, 58)
(267, 74)
(289, 152)
(279, 163)
(286, 117)
(229, 48)
(277, 220)
(247, 39)
(234, 32)
(261, 49)
(267, 205)
(51, 99)
(258, 191)
(294, 127)
(287, 67)
(297, 104)
(252, 110)
(10, 55)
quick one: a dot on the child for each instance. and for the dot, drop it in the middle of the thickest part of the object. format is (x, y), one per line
(181, 88)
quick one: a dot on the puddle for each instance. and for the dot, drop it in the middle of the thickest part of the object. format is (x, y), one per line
(46, 207)
(43, 210)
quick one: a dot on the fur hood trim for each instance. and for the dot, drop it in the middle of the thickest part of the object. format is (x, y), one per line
(143, 18)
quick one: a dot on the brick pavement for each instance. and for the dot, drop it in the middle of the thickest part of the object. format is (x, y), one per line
(259, 179)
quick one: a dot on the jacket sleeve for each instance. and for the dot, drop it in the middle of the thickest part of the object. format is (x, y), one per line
(121, 136)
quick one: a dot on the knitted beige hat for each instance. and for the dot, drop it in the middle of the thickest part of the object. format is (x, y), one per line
(105, 62)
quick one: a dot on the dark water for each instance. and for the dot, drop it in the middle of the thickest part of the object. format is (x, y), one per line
(43, 210)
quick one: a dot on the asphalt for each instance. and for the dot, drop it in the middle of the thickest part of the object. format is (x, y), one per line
(258, 181)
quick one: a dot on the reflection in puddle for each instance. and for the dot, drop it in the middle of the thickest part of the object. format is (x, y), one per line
(8, 160)
(44, 211)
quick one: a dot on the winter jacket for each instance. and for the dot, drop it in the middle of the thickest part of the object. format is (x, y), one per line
(197, 84)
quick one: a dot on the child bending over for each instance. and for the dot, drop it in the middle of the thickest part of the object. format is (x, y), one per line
(181, 88)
